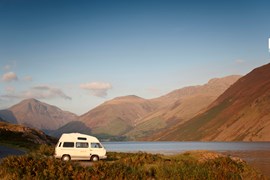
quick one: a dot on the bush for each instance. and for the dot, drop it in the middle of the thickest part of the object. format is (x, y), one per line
(45, 150)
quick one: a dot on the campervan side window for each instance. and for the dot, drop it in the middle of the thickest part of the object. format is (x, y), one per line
(95, 145)
(81, 145)
(82, 138)
(60, 144)
(68, 144)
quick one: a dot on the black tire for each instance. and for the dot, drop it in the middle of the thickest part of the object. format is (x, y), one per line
(65, 157)
(94, 158)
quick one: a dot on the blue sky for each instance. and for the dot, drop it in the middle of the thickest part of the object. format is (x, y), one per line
(78, 54)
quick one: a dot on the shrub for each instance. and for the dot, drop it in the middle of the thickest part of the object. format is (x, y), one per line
(45, 150)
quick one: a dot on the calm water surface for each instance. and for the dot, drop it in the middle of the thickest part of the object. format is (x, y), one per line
(177, 147)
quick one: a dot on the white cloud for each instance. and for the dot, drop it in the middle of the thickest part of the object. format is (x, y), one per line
(10, 96)
(46, 92)
(98, 89)
(38, 92)
(9, 76)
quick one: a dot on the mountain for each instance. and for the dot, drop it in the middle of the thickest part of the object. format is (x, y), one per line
(128, 116)
(241, 113)
(33, 113)
(181, 105)
(117, 116)
(212, 88)
(136, 117)
(20, 135)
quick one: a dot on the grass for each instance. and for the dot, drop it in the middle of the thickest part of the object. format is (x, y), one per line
(190, 165)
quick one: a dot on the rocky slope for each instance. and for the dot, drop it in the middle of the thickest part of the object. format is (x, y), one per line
(241, 113)
(33, 113)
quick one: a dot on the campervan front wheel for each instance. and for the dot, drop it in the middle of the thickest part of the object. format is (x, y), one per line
(65, 157)
(94, 158)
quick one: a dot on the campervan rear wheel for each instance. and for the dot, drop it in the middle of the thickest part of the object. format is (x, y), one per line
(65, 157)
(94, 158)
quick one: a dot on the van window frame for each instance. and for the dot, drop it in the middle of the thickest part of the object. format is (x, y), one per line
(68, 144)
(96, 145)
(82, 145)
(82, 138)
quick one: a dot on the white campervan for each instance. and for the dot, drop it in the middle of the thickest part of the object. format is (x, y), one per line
(76, 146)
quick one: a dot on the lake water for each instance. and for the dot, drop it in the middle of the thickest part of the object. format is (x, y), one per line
(177, 147)
(257, 154)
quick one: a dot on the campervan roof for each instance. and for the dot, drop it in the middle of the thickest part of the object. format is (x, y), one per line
(78, 137)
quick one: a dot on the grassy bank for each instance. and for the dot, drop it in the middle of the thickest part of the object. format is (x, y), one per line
(190, 165)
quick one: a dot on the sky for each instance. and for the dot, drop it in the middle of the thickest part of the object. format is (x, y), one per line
(78, 54)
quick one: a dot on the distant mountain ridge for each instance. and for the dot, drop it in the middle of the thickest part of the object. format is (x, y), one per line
(33, 113)
(132, 116)
(128, 116)
(241, 113)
